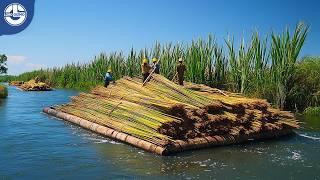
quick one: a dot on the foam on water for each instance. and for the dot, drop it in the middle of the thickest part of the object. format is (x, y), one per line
(309, 137)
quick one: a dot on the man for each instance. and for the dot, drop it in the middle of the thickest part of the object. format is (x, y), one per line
(181, 68)
(156, 66)
(145, 67)
(108, 78)
(37, 79)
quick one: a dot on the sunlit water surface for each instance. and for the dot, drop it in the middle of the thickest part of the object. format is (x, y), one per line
(33, 146)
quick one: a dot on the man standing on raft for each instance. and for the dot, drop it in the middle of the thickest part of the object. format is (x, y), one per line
(108, 78)
(181, 68)
(156, 66)
(145, 67)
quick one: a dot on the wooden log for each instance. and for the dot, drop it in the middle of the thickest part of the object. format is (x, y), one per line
(175, 146)
(105, 131)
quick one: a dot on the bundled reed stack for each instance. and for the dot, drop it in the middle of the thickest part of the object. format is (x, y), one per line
(16, 83)
(163, 117)
(34, 85)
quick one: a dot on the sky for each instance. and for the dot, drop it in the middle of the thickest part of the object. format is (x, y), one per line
(65, 31)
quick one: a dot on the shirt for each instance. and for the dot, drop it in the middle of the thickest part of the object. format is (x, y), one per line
(181, 68)
(145, 68)
(108, 77)
(157, 68)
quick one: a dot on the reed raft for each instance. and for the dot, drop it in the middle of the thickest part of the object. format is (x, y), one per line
(164, 118)
(34, 85)
(16, 83)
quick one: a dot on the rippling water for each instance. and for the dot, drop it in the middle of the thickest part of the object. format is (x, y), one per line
(35, 146)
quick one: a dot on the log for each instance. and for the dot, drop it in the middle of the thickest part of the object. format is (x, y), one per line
(174, 147)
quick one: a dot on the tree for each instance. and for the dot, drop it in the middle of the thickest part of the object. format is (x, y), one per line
(3, 64)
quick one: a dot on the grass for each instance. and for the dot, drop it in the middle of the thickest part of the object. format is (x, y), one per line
(305, 84)
(312, 111)
(285, 49)
(3, 91)
(261, 67)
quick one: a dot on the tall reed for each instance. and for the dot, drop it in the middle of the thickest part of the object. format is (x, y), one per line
(285, 49)
(258, 67)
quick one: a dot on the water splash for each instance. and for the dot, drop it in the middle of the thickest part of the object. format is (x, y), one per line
(309, 137)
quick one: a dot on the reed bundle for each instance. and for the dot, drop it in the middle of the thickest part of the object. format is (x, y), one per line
(162, 112)
(33, 85)
(16, 83)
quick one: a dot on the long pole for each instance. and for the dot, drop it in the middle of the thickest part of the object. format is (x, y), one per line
(155, 66)
(142, 86)
(115, 107)
(174, 77)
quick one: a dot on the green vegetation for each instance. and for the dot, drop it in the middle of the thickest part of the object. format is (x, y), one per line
(3, 70)
(305, 84)
(3, 64)
(284, 54)
(312, 111)
(261, 68)
(6, 78)
(3, 91)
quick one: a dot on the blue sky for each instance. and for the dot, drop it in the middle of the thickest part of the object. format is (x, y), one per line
(65, 31)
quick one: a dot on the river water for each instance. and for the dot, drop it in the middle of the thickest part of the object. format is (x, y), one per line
(34, 146)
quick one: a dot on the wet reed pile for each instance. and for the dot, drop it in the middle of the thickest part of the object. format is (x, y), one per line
(16, 83)
(34, 85)
(162, 112)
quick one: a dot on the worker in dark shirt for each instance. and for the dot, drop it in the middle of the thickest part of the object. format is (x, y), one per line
(108, 78)
(181, 68)
(156, 66)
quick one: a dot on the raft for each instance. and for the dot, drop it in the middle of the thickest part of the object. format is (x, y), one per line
(34, 85)
(165, 118)
(16, 83)
(179, 146)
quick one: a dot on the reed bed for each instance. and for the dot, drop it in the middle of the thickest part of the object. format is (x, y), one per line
(162, 112)
(259, 67)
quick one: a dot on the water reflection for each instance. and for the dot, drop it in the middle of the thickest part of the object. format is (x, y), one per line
(310, 123)
(34, 145)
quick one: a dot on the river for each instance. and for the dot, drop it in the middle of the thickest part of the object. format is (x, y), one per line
(34, 145)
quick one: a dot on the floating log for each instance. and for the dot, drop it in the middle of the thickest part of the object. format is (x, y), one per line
(176, 146)
(105, 131)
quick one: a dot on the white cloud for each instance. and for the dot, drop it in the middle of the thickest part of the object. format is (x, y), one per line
(18, 64)
(33, 66)
(16, 59)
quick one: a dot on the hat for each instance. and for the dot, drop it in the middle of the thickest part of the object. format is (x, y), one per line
(145, 60)
(154, 60)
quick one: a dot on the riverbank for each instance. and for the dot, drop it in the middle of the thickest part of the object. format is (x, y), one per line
(3, 91)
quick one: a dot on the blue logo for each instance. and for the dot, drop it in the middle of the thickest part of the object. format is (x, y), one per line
(16, 15)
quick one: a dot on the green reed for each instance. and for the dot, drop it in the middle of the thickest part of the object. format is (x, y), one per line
(258, 67)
